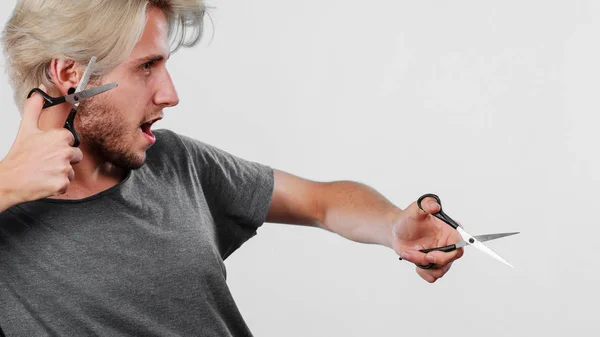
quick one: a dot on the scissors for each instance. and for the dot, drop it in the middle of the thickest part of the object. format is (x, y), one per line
(75, 96)
(467, 239)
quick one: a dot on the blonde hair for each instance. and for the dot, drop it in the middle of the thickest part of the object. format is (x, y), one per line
(39, 31)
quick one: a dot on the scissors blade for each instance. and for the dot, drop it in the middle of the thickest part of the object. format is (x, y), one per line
(489, 237)
(81, 96)
(477, 244)
(86, 76)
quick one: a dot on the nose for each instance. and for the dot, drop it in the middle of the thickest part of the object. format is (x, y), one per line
(166, 95)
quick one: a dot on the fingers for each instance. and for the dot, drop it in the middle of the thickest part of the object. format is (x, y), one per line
(67, 136)
(32, 109)
(71, 175)
(76, 156)
(442, 258)
(432, 275)
(435, 257)
(415, 256)
(442, 262)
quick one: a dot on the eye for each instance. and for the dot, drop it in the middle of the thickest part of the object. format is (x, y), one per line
(147, 66)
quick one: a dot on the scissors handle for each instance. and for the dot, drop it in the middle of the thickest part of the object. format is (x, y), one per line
(70, 125)
(48, 100)
(52, 101)
(440, 214)
(445, 249)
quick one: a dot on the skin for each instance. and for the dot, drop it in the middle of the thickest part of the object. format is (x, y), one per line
(112, 143)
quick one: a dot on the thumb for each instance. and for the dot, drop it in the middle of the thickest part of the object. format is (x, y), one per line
(428, 206)
(32, 109)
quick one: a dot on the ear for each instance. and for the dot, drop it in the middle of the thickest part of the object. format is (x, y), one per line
(65, 74)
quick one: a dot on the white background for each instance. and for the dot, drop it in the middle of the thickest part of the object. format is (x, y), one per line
(491, 105)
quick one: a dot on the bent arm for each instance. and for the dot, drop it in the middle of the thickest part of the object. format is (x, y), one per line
(350, 209)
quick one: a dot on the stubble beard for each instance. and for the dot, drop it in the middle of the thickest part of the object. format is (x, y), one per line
(100, 127)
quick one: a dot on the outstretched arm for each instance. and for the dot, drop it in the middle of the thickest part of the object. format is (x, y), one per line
(360, 213)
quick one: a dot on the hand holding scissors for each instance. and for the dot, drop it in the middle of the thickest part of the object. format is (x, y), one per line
(39, 163)
(466, 238)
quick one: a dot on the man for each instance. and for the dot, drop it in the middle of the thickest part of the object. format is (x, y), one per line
(126, 234)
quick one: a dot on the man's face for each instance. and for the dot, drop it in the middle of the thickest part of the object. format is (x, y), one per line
(116, 125)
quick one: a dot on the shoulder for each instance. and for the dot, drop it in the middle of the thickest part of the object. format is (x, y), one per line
(166, 139)
(184, 152)
(189, 152)
(169, 155)
(171, 145)
(175, 143)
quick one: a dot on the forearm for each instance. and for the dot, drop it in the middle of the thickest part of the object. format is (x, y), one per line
(357, 212)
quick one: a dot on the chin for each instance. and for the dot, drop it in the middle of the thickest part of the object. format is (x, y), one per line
(123, 149)
(137, 162)
(128, 160)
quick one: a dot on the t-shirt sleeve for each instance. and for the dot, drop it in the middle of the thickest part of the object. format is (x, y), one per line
(238, 191)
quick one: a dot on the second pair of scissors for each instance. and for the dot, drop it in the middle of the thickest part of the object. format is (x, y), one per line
(467, 239)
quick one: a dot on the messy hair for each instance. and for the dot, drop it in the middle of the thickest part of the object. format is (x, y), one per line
(39, 31)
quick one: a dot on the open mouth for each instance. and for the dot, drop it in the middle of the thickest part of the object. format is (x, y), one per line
(146, 126)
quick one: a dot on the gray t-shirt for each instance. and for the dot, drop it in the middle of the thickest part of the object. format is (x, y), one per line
(143, 258)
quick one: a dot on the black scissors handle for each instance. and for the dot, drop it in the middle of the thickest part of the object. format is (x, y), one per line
(48, 100)
(445, 218)
(445, 249)
(440, 214)
(52, 101)
(70, 125)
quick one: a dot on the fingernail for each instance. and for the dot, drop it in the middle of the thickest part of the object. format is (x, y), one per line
(405, 255)
(430, 258)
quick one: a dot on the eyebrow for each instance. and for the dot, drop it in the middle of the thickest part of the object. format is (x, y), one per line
(151, 58)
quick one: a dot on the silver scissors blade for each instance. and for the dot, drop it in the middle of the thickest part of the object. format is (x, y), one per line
(489, 237)
(477, 244)
(83, 95)
(86, 77)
